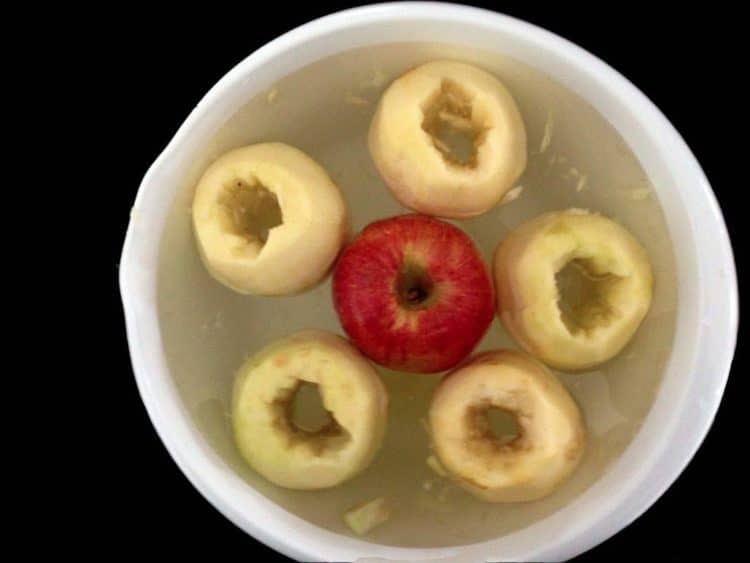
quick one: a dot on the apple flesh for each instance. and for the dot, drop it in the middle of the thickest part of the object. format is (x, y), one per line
(413, 293)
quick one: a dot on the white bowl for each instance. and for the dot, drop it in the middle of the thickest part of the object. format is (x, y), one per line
(704, 342)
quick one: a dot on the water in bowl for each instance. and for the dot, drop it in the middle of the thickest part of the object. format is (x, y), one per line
(576, 159)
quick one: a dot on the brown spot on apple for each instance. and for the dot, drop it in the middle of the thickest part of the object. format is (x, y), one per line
(575, 446)
(281, 360)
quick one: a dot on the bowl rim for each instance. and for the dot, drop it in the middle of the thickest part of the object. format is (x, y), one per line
(308, 542)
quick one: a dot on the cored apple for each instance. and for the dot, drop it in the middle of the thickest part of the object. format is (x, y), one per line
(258, 209)
(573, 287)
(448, 140)
(413, 293)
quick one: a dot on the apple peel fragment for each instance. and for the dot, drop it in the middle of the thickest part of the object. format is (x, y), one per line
(368, 516)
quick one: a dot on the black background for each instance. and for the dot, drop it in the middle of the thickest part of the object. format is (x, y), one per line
(158, 69)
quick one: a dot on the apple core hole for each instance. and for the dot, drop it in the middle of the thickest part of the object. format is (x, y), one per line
(448, 120)
(492, 428)
(306, 410)
(503, 425)
(583, 296)
(252, 210)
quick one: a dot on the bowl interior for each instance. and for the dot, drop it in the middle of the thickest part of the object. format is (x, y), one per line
(576, 159)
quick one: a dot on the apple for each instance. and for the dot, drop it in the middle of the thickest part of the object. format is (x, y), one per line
(573, 287)
(263, 397)
(253, 216)
(545, 451)
(448, 140)
(413, 293)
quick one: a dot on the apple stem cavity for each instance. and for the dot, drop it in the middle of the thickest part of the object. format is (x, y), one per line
(416, 295)
(253, 210)
(414, 287)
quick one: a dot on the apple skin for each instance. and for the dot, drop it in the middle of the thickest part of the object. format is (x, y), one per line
(413, 293)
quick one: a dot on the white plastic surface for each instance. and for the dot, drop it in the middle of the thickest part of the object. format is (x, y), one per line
(706, 324)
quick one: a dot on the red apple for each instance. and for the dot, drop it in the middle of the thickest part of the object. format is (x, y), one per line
(413, 293)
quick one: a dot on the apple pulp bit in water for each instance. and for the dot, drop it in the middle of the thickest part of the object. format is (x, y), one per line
(576, 159)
